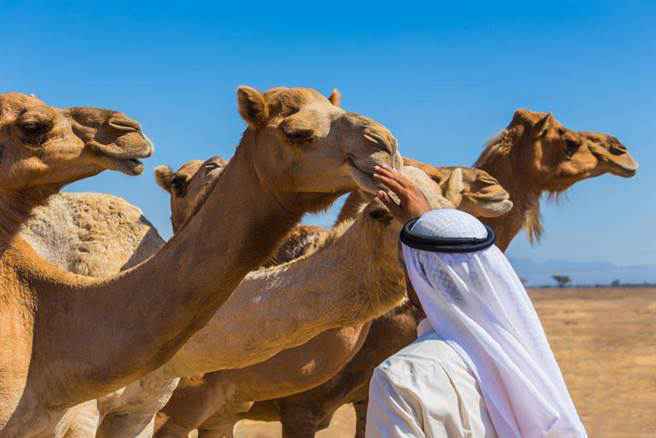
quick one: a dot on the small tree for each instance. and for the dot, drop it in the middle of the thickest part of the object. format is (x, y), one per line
(616, 283)
(562, 280)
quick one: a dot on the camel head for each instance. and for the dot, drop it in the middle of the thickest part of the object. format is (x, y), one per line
(455, 187)
(42, 146)
(468, 189)
(188, 186)
(308, 144)
(557, 157)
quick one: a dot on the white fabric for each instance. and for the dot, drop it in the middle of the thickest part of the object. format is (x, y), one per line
(426, 390)
(477, 304)
(449, 223)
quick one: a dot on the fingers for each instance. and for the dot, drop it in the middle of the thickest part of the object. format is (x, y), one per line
(395, 175)
(394, 181)
(391, 184)
(395, 209)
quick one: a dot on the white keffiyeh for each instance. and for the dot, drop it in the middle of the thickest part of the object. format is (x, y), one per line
(477, 304)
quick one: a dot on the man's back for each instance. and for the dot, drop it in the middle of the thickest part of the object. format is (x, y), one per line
(426, 390)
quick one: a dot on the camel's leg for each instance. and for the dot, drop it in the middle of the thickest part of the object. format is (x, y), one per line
(80, 421)
(131, 413)
(209, 406)
(227, 431)
(32, 420)
(360, 407)
(299, 423)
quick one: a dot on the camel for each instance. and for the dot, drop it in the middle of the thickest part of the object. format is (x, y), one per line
(91, 234)
(99, 235)
(129, 413)
(535, 154)
(298, 154)
(568, 157)
(312, 363)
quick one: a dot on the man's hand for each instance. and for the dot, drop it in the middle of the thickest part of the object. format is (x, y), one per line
(413, 203)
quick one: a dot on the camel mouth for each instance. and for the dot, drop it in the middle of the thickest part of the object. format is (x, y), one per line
(617, 161)
(363, 178)
(125, 160)
(624, 172)
(622, 165)
(355, 166)
(129, 166)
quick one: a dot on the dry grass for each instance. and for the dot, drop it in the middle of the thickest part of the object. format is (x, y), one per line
(605, 342)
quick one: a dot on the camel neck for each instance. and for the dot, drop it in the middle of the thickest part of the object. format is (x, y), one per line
(16, 208)
(142, 316)
(519, 184)
(351, 207)
(353, 277)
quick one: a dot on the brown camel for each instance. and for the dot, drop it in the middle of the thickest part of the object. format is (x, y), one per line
(260, 311)
(536, 154)
(557, 157)
(90, 234)
(297, 155)
(304, 367)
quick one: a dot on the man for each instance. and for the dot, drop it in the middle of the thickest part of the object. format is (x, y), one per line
(481, 366)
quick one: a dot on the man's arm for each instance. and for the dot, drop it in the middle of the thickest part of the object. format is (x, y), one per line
(391, 413)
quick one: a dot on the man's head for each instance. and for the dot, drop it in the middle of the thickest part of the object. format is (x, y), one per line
(446, 230)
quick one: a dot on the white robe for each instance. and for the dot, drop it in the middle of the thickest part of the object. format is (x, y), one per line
(426, 390)
(476, 303)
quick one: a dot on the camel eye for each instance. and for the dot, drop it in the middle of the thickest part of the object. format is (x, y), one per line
(212, 166)
(617, 150)
(34, 128)
(571, 147)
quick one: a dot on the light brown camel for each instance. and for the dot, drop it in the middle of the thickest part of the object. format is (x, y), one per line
(298, 154)
(99, 235)
(266, 327)
(557, 158)
(90, 234)
(304, 367)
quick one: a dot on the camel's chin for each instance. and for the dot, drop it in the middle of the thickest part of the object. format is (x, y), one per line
(132, 167)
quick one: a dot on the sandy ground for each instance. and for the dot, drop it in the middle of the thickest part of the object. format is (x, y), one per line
(605, 342)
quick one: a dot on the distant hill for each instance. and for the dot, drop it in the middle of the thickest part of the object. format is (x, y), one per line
(540, 272)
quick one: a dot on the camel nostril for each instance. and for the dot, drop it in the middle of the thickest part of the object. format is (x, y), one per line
(123, 123)
(380, 142)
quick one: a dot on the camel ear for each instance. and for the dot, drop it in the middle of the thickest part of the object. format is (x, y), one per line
(335, 97)
(543, 124)
(164, 177)
(455, 186)
(252, 106)
(523, 117)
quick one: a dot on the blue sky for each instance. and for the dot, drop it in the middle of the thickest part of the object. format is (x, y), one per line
(443, 76)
